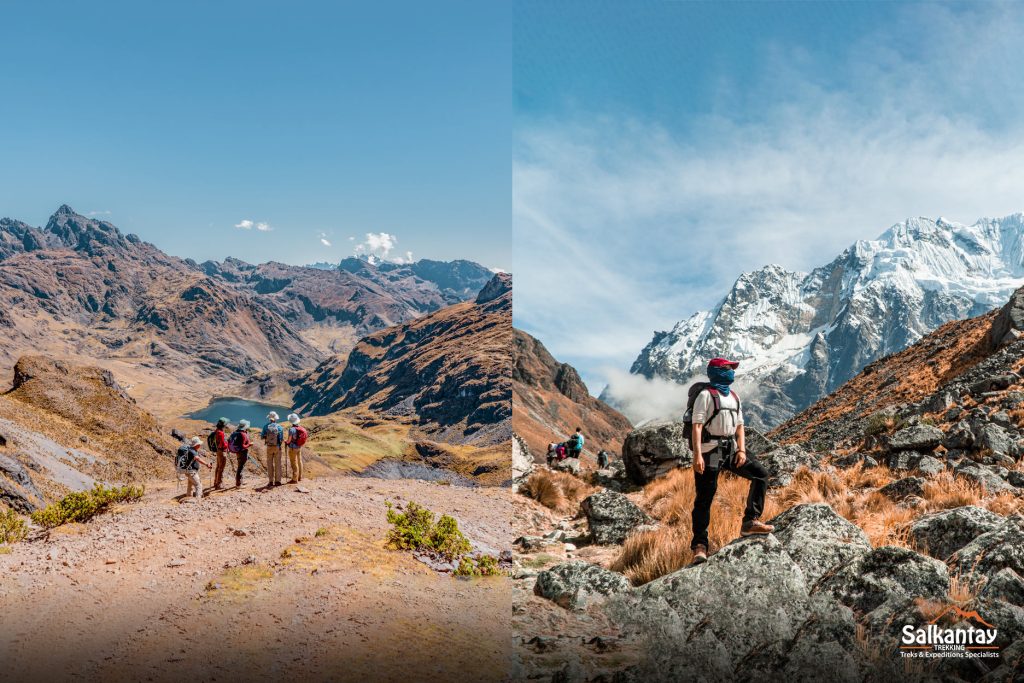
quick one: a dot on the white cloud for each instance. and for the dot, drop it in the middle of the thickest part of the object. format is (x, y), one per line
(99, 213)
(379, 245)
(641, 399)
(624, 226)
(246, 224)
(323, 239)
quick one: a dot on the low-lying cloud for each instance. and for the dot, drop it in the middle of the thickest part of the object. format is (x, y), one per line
(380, 245)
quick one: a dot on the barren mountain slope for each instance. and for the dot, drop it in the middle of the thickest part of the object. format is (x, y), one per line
(550, 400)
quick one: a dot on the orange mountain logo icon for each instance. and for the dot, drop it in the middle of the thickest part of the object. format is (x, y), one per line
(963, 614)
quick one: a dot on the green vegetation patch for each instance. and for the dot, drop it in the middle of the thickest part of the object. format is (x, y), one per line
(12, 527)
(415, 529)
(485, 565)
(84, 505)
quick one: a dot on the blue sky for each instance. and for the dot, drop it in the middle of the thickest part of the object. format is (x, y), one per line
(661, 149)
(322, 120)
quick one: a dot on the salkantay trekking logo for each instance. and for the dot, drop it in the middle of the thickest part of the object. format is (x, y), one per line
(972, 637)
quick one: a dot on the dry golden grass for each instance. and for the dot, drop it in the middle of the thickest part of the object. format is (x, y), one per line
(559, 491)
(649, 554)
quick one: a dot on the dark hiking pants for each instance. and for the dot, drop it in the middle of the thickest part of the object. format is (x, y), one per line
(243, 458)
(707, 484)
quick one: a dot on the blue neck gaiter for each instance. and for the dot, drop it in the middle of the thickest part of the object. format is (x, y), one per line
(721, 378)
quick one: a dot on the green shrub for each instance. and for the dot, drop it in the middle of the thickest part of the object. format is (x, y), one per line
(84, 505)
(486, 565)
(415, 529)
(12, 527)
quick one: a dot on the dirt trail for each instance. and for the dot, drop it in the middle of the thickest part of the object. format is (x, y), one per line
(242, 586)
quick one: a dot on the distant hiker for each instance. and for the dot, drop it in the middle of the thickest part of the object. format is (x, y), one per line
(217, 443)
(239, 444)
(602, 459)
(561, 451)
(187, 463)
(576, 443)
(718, 442)
(551, 454)
(273, 437)
(296, 439)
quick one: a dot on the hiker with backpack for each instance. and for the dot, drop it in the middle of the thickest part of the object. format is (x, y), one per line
(217, 443)
(602, 459)
(273, 437)
(296, 439)
(239, 444)
(714, 421)
(187, 463)
(576, 443)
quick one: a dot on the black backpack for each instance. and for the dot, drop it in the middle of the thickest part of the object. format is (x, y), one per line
(211, 442)
(185, 458)
(691, 396)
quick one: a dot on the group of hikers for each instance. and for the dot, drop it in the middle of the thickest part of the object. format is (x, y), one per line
(572, 448)
(220, 444)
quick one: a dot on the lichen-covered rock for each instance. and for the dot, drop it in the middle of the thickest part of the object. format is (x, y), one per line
(573, 585)
(992, 551)
(783, 462)
(1006, 585)
(818, 539)
(903, 488)
(522, 462)
(940, 534)
(570, 465)
(655, 449)
(983, 476)
(884, 573)
(995, 438)
(930, 466)
(920, 437)
(612, 516)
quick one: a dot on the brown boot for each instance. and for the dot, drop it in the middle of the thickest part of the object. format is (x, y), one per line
(700, 554)
(755, 527)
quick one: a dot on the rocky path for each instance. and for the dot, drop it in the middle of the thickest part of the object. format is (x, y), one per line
(257, 585)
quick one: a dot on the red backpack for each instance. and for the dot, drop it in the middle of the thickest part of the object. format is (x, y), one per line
(301, 435)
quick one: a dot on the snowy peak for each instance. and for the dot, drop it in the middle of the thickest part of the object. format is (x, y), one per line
(801, 335)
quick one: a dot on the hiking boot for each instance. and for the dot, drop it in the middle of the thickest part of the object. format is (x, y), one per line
(700, 554)
(293, 481)
(754, 527)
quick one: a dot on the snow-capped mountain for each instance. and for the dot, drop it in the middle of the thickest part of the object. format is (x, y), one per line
(799, 336)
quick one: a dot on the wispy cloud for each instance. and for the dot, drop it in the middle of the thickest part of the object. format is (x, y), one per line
(323, 239)
(246, 224)
(626, 225)
(98, 213)
(380, 245)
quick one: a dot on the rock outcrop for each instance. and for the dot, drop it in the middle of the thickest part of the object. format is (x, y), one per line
(612, 517)
(655, 449)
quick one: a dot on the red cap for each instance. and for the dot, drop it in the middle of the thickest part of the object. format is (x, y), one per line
(723, 363)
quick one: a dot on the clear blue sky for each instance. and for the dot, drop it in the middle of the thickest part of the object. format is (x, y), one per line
(179, 120)
(663, 148)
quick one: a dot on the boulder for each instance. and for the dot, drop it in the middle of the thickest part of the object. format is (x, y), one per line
(884, 573)
(983, 476)
(818, 539)
(940, 534)
(995, 438)
(781, 463)
(754, 577)
(920, 437)
(993, 383)
(987, 554)
(1009, 322)
(903, 488)
(849, 460)
(930, 466)
(522, 462)
(612, 516)
(655, 449)
(1006, 585)
(960, 436)
(574, 585)
(570, 465)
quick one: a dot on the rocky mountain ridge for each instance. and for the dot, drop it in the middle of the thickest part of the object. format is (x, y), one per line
(448, 371)
(799, 336)
(550, 400)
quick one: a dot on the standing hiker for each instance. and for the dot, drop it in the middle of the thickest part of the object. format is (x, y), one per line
(273, 437)
(239, 444)
(602, 459)
(576, 443)
(296, 439)
(718, 443)
(217, 443)
(187, 463)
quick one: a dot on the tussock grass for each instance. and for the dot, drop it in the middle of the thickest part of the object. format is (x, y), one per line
(558, 491)
(12, 527)
(649, 554)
